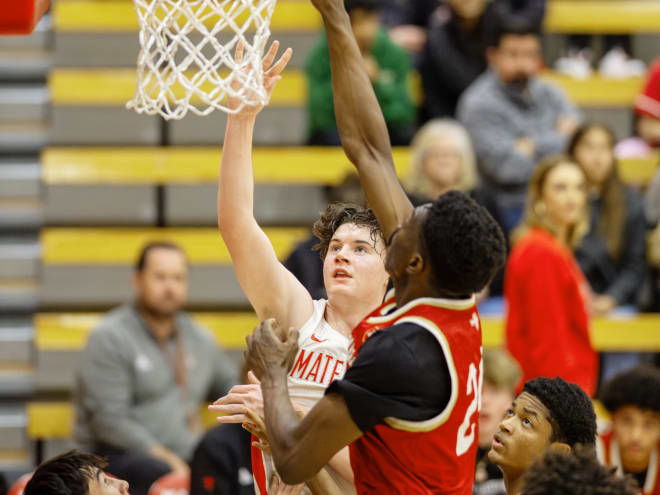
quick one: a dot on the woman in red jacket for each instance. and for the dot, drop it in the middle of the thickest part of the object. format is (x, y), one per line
(547, 327)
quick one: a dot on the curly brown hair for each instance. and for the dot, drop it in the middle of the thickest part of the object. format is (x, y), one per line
(337, 214)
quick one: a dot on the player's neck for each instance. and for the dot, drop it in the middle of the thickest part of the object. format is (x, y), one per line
(411, 289)
(344, 316)
(513, 483)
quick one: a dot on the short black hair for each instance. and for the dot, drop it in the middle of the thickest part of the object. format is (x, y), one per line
(465, 244)
(144, 252)
(505, 24)
(366, 5)
(572, 414)
(637, 387)
(336, 215)
(575, 473)
(66, 474)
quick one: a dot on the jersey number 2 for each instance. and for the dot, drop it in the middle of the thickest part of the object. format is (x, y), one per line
(467, 430)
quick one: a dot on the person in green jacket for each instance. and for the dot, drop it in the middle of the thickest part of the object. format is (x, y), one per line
(388, 66)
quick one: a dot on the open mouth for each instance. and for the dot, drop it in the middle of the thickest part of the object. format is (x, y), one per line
(340, 273)
(497, 442)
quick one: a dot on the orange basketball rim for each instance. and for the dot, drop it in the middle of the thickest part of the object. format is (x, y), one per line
(21, 16)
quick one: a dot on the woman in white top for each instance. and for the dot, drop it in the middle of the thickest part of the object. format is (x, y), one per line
(353, 271)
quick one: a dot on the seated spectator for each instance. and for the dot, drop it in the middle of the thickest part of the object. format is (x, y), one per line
(74, 473)
(547, 322)
(633, 441)
(575, 473)
(145, 371)
(514, 118)
(454, 55)
(442, 158)
(387, 65)
(612, 254)
(616, 62)
(647, 125)
(549, 415)
(500, 376)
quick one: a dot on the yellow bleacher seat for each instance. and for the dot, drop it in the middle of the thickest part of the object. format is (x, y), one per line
(563, 16)
(296, 165)
(119, 15)
(54, 420)
(120, 246)
(58, 332)
(114, 87)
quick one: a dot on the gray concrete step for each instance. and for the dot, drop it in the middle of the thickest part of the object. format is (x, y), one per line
(25, 102)
(20, 178)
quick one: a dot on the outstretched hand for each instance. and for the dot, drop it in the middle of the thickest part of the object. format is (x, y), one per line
(271, 75)
(270, 351)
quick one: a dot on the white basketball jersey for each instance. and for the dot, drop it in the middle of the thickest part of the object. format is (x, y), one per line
(321, 358)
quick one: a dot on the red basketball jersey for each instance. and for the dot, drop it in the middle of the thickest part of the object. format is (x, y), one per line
(608, 452)
(436, 456)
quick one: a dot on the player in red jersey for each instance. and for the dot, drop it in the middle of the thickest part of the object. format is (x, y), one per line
(408, 405)
(632, 443)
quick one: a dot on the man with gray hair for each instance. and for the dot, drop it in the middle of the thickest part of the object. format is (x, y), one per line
(145, 371)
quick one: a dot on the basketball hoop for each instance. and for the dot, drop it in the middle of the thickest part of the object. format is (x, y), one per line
(186, 57)
(21, 16)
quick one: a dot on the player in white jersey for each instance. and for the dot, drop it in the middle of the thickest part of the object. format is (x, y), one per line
(355, 279)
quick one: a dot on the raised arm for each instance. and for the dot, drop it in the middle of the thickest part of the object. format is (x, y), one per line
(360, 121)
(271, 289)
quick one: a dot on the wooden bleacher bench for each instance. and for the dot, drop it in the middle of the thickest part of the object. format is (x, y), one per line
(290, 165)
(563, 16)
(103, 87)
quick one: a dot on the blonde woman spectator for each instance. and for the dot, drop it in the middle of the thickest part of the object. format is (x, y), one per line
(547, 324)
(442, 159)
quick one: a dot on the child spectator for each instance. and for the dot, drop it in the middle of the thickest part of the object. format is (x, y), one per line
(501, 377)
(547, 323)
(631, 445)
(388, 66)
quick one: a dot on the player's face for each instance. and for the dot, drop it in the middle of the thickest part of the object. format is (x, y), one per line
(162, 286)
(102, 484)
(564, 194)
(637, 432)
(404, 244)
(523, 435)
(517, 58)
(596, 155)
(495, 402)
(442, 164)
(354, 264)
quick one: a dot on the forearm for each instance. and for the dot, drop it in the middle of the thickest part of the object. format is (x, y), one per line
(281, 423)
(236, 184)
(323, 484)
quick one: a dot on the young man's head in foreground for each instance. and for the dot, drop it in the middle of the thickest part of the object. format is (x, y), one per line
(451, 244)
(549, 414)
(74, 473)
(575, 473)
(633, 400)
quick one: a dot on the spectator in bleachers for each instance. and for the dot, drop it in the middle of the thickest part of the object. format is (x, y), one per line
(633, 442)
(442, 158)
(454, 54)
(74, 473)
(575, 473)
(616, 62)
(547, 322)
(514, 118)
(145, 371)
(388, 66)
(501, 375)
(647, 115)
(612, 254)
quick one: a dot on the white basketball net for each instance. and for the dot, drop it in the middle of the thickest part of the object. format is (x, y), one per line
(186, 59)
